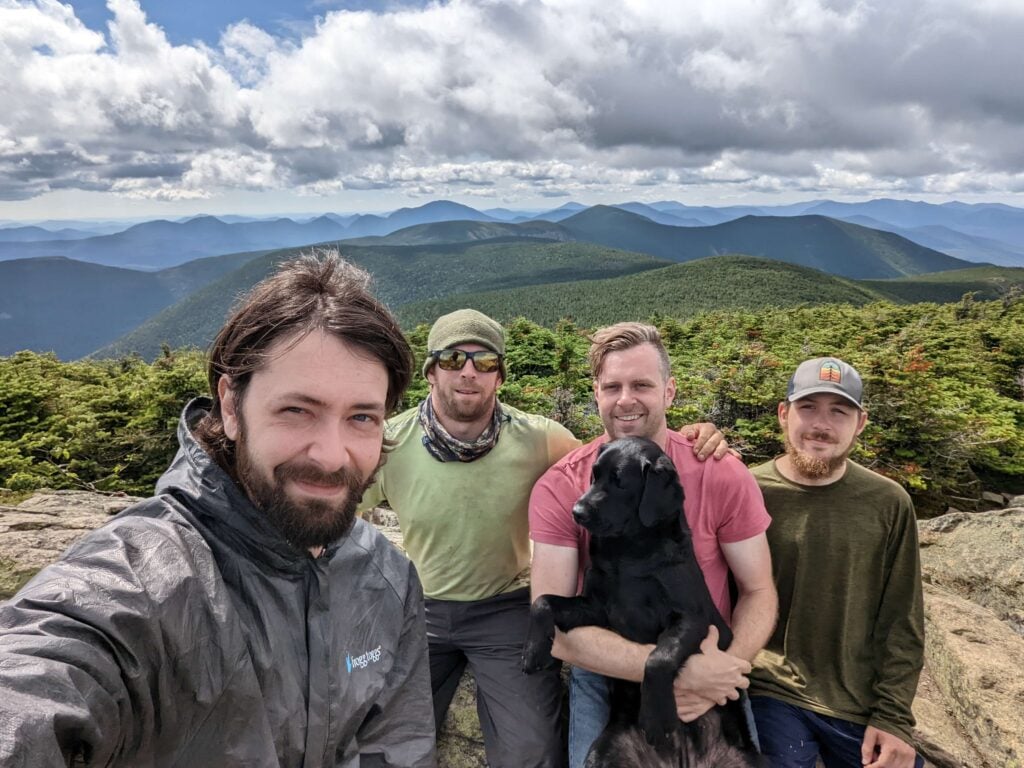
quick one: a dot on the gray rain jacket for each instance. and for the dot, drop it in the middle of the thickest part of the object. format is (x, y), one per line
(188, 632)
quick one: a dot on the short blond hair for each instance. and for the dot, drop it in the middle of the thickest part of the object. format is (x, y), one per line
(622, 336)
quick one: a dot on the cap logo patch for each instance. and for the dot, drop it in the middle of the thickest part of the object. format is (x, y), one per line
(830, 372)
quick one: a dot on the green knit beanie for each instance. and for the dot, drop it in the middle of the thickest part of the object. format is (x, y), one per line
(465, 326)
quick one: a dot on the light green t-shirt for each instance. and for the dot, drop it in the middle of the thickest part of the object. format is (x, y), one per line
(465, 524)
(850, 637)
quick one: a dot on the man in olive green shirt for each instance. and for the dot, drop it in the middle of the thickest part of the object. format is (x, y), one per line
(838, 675)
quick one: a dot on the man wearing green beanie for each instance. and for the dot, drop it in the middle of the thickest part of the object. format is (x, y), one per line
(459, 477)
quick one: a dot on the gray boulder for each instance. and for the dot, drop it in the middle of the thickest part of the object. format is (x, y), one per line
(34, 533)
(973, 567)
(980, 557)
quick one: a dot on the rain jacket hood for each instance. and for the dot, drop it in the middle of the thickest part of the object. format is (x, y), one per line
(188, 631)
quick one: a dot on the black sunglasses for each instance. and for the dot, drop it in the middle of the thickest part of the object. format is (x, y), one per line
(484, 361)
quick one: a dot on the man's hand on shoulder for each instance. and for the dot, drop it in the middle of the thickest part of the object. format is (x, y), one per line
(708, 678)
(885, 750)
(708, 440)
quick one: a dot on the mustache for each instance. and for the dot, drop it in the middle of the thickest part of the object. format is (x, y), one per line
(305, 472)
(824, 437)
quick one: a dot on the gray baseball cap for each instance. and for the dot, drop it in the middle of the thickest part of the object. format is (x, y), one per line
(825, 374)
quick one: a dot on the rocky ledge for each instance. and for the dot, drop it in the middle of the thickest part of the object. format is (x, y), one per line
(970, 703)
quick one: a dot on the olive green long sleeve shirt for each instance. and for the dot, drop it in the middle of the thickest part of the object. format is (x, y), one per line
(850, 637)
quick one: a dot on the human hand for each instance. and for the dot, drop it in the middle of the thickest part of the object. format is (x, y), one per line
(708, 440)
(690, 706)
(708, 678)
(885, 750)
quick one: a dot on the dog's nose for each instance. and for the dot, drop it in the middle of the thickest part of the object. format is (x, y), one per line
(580, 513)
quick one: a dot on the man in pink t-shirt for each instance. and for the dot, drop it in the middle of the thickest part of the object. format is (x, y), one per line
(726, 514)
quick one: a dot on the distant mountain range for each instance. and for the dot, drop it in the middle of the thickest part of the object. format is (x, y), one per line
(595, 264)
(826, 244)
(978, 233)
(160, 244)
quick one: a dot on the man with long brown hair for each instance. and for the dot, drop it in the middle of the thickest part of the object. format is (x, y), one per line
(241, 616)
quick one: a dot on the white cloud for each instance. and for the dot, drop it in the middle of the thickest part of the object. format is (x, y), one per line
(244, 52)
(509, 97)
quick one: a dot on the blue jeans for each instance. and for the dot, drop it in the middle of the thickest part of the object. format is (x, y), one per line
(589, 711)
(793, 737)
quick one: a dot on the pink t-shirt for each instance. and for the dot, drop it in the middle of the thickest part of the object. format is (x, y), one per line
(722, 504)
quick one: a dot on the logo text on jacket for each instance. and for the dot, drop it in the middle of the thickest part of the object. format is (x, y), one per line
(363, 660)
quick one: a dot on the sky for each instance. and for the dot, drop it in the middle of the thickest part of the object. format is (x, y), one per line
(149, 108)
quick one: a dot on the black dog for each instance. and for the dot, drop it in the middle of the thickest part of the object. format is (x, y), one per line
(645, 584)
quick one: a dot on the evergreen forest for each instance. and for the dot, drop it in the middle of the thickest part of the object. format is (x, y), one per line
(944, 392)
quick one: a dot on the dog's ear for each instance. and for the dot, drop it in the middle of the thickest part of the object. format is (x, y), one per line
(662, 498)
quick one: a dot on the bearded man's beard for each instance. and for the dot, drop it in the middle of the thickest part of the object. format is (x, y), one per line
(311, 523)
(457, 410)
(812, 467)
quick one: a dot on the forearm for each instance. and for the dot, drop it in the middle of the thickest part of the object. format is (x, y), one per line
(602, 651)
(753, 620)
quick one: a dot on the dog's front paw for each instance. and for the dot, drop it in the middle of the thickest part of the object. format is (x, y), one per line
(537, 654)
(658, 721)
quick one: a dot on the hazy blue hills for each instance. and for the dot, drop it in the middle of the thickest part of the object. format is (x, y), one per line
(34, 234)
(662, 217)
(372, 225)
(977, 232)
(829, 245)
(466, 231)
(73, 307)
(439, 210)
(160, 244)
(983, 219)
(818, 242)
(562, 212)
(973, 248)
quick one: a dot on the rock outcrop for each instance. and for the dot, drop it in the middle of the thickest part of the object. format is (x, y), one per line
(970, 703)
(973, 567)
(37, 531)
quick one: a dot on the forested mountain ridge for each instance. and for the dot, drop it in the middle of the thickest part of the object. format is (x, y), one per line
(541, 281)
(401, 274)
(74, 307)
(675, 290)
